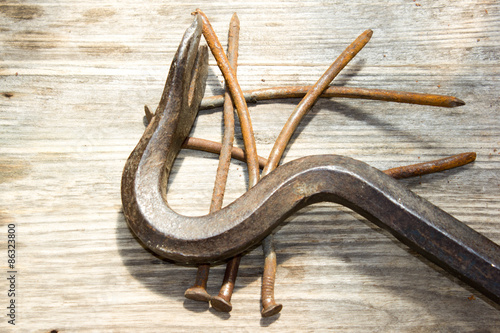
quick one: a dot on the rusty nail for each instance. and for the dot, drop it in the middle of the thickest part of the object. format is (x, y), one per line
(222, 302)
(406, 171)
(253, 96)
(312, 95)
(198, 290)
(215, 148)
(431, 166)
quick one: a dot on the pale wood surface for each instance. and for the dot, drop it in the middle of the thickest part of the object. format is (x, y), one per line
(74, 77)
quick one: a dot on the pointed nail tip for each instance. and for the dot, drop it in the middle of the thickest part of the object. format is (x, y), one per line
(456, 102)
(197, 12)
(149, 114)
(369, 33)
(472, 155)
(235, 21)
(467, 158)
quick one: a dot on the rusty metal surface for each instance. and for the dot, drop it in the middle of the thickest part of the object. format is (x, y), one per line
(247, 221)
(431, 166)
(269, 306)
(311, 97)
(253, 96)
(222, 301)
(198, 290)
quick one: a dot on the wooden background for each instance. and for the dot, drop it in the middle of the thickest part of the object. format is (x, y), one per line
(74, 77)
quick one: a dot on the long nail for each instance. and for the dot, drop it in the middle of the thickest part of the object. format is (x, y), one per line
(280, 145)
(198, 290)
(253, 96)
(401, 172)
(222, 302)
(311, 97)
(228, 111)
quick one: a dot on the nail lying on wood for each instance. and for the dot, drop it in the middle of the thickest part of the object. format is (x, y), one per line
(268, 303)
(311, 97)
(253, 96)
(222, 302)
(197, 292)
(431, 166)
(401, 172)
(228, 69)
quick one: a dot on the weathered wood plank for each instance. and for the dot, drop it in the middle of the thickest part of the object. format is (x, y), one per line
(74, 78)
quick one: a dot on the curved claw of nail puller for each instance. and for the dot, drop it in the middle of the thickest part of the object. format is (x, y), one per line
(247, 221)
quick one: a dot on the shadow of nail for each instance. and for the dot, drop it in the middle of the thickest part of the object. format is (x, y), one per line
(268, 321)
(195, 306)
(221, 315)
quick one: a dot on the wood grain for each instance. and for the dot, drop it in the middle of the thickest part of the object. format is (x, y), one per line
(73, 81)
